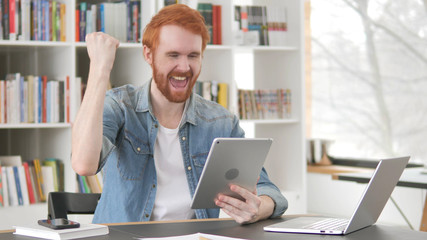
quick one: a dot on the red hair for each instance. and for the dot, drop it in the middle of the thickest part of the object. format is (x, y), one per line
(177, 14)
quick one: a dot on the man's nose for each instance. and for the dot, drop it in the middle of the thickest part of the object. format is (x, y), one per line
(183, 64)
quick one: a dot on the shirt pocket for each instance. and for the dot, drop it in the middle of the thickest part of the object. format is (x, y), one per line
(199, 160)
(133, 158)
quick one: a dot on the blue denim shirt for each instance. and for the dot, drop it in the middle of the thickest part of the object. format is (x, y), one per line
(129, 134)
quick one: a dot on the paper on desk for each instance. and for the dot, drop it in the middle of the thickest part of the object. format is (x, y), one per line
(195, 236)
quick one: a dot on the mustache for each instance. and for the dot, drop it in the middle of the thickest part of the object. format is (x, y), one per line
(181, 74)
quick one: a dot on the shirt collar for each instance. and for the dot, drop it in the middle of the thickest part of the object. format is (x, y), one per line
(144, 105)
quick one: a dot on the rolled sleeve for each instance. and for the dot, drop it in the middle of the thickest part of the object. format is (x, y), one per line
(267, 188)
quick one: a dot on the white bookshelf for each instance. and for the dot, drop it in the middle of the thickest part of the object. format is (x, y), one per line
(270, 67)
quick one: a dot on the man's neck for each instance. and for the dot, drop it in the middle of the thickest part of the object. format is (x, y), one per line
(168, 113)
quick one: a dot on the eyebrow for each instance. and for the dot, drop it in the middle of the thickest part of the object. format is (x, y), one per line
(175, 52)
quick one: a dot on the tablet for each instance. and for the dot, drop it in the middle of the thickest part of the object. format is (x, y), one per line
(230, 160)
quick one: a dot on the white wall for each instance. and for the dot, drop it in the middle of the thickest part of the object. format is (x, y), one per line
(339, 198)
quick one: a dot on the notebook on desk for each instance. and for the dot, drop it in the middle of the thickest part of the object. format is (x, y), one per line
(367, 212)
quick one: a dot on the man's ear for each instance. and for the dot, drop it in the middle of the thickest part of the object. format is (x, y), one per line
(148, 55)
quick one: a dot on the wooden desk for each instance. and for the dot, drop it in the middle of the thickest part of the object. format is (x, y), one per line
(226, 227)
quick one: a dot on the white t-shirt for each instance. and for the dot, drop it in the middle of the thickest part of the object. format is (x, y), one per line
(173, 195)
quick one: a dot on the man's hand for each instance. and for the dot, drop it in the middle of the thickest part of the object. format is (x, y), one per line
(101, 48)
(253, 209)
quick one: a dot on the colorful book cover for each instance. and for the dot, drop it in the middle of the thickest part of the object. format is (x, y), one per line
(83, 8)
(44, 98)
(31, 195)
(18, 185)
(223, 94)
(67, 99)
(52, 29)
(23, 183)
(63, 31)
(40, 182)
(34, 180)
(52, 163)
(1, 190)
(5, 187)
(12, 29)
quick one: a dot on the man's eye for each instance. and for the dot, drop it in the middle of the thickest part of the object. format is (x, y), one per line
(173, 55)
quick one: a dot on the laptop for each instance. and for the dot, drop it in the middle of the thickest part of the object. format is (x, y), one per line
(368, 209)
(230, 160)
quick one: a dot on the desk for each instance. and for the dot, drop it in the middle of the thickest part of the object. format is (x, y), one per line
(226, 227)
(411, 177)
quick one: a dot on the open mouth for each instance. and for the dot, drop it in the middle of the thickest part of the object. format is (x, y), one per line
(179, 82)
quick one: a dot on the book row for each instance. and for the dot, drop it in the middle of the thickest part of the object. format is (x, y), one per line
(40, 20)
(261, 25)
(213, 20)
(34, 99)
(213, 91)
(29, 182)
(121, 20)
(264, 104)
(89, 184)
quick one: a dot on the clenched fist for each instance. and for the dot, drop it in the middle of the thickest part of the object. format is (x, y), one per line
(101, 48)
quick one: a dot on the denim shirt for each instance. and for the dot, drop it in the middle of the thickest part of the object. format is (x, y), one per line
(129, 135)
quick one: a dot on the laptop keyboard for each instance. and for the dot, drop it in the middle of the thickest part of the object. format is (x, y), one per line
(329, 224)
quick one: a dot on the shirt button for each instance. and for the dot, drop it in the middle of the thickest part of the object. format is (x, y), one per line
(189, 168)
(154, 185)
(138, 149)
(146, 215)
(155, 125)
(183, 138)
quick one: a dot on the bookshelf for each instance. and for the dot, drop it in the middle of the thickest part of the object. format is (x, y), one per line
(270, 67)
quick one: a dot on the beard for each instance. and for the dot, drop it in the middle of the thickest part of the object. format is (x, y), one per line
(164, 84)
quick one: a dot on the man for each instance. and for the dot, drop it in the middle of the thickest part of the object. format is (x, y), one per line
(153, 141)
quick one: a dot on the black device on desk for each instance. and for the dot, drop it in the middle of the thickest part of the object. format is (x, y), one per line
(58, 223)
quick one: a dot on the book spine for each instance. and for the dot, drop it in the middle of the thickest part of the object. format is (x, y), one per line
(82, 25)
(63, 32)
(40, 180)
(5, 187)
(67, 99)
(52, 8)
(28, 178)
(5, 8)
(18, 185)
(77, 33)
(12, 29)
(1, 188)
(24, 186)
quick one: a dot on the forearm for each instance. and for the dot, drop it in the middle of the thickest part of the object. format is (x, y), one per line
(87, 127)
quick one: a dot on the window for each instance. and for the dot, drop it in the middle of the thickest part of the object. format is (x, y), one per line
(369, 77)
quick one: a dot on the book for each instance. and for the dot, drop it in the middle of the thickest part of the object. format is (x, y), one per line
(93, 184)
(13, 194)
(51, 162)
(5, 187)
(30, 184)
(34, 180)
(48, 179)
(24, 186)
(14, 160)
(84, 231)
(40, 181)
(1, 190)
(9, 180)
(18, 186)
